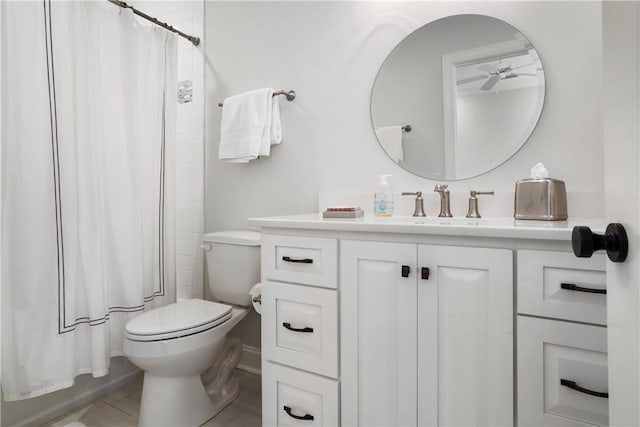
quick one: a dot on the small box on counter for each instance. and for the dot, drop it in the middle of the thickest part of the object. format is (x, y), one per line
(343, 212)
(541, 199)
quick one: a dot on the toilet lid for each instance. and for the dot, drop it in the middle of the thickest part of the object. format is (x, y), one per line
(177, 320)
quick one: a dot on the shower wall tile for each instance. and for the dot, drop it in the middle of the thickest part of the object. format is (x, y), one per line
(198, 277)
(183, 201)
(197, 216)
(197, 190)
(184, 171)
(184, 186)
(183, 232)
(184, 217)
(183, 141)
(186, 119)
(185, 69)
(198, 88)
(196, 242)
(184, 262)
(184, 277)
(184, 154)
(184, 247)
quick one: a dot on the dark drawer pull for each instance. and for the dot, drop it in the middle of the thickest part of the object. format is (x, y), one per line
(289, 327)
(576, 387)
(574, 287)
(298, 260)
(425, 273)
(305, 417)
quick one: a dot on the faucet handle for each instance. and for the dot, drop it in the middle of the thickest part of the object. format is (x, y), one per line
(441, 187)
(419, 209)
(473, 202)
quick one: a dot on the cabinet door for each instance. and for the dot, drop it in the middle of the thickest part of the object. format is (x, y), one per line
(378, 321)
(470, 375)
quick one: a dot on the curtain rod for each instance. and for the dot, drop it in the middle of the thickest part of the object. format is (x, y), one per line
(192, 39)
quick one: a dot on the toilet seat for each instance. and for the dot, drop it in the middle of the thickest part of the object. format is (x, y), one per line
(177, 320)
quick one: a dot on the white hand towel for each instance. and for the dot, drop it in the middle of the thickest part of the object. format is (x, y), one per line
(245, 130)
(276, 126)
(250, 125)
(390, 138)
(272, 134)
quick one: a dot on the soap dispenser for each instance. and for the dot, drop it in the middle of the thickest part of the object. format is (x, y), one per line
(383, 198)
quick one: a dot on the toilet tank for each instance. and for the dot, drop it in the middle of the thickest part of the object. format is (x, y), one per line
(233, 264)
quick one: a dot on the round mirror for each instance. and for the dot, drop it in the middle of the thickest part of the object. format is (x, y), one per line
(457, 97)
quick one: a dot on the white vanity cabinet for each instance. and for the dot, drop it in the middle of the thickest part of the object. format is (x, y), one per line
(413, 322)
(426, 334)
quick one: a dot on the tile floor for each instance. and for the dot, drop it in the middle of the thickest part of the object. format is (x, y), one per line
(120, 408)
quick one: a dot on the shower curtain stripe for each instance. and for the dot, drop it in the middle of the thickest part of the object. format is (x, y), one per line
(55, 157)
(161, 205)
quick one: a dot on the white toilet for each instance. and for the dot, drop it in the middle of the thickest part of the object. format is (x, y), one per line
(176, 343)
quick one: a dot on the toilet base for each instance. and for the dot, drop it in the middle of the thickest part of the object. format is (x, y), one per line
(181, 402)
(191, 400)
(174, 401)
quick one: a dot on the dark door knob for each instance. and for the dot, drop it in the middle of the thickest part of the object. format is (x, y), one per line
(614, 241)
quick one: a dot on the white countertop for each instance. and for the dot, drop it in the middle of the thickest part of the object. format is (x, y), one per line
(482, 227)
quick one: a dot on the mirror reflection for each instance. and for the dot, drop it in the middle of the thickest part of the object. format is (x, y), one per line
(457, 97)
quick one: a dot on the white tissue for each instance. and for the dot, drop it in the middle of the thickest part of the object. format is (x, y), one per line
(256, 292)
(539, 171)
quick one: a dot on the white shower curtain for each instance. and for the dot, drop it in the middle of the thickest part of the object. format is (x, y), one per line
(88, 114)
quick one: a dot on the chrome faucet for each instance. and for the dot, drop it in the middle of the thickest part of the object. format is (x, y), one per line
(445, 208)
(473, 203)
(419, 210)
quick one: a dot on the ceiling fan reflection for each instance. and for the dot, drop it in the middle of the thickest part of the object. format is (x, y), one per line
(494, 74)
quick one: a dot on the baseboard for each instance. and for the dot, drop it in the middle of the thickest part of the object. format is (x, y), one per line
(251, 360)
(54, 410)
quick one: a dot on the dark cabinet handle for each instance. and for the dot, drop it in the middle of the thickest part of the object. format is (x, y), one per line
(574, 287)
(614, 241)
(424, 273)
(572, 385)
(289, 327)
(305, 417)
(298, 260)
(405, 271)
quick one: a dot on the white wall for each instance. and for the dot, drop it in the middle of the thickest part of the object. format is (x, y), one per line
(330, 52)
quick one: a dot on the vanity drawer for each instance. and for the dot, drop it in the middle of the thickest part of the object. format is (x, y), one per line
(542, 276)
(550, 351)
(300, 327)
(295, 398)
(308, 260)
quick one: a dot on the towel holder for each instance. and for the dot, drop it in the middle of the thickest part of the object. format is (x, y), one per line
(290, 94)
(406, 128)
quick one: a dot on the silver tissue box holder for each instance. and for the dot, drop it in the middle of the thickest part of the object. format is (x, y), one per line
(542, 199)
